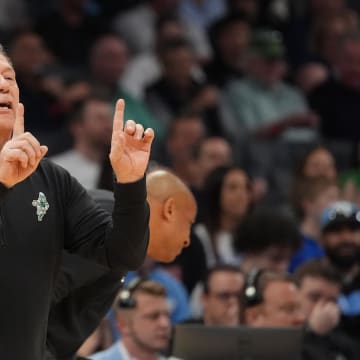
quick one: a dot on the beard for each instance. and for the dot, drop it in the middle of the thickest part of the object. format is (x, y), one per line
(341, 256)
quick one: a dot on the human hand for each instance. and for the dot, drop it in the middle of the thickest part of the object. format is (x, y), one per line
(21, 155)
(324, 317)
(130, 147)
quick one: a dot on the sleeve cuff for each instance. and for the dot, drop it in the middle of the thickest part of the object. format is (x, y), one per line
(130, 194)
(3, 190)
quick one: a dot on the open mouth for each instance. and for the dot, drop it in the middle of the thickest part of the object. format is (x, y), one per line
(5, 105)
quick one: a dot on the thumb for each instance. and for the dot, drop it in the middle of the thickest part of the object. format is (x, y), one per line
(43, 150)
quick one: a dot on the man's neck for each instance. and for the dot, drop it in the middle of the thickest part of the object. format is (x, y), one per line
(137, 351)
(310, 227)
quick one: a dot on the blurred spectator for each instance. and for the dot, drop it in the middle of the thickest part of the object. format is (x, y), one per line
(69, 31)
(267, 239)
(320, 286)
(201, 13)
(142, 39)
(212, 152)
(299, 32)
(227, 199)
(176, 293)
(270, 300)
(145, 68)
(229, 37)
(262, 104)
(310, 197)
(341, 241)
(318, 161)
(107, 62)
(143, 319)
(310, 76)
(184, 134)
(91, 128)
(13, 15)
(44, 93)
(327, 32)
(222, 288)
(177, 91)
(337, 101)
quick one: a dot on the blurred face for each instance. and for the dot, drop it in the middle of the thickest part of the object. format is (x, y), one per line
(317, 289)
(281, 306)
(342, 247)
(28, 54)
(268, 72)
(221, 304)
(235, 194)
(214, 152)
(320, 163)
(108, 60)
(349, 64)
(187, 133)
(274, 258)
(9, 96)
(149, 327)
(232, 43)
(178, 65)
(96, 127)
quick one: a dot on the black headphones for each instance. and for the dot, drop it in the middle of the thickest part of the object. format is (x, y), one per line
(251, 291)
(125, 298)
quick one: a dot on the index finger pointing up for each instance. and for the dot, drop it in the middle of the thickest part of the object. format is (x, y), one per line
(118, 124)
(19, 121)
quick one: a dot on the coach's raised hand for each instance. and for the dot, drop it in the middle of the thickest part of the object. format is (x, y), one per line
(130, 147)
(20, 156)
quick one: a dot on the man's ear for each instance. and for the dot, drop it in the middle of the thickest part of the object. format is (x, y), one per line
(168, 208)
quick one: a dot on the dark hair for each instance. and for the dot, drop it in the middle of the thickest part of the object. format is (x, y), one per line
(220, 26)
(216, 269)
(212, 196)
(265, 228)
(319, 269)
(172, 44)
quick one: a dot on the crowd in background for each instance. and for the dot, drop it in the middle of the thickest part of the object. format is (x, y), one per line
(256, 107)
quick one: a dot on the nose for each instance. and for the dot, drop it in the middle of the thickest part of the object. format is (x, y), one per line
(4, 84)
(164, 320)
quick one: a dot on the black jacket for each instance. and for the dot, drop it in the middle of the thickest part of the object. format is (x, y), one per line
(31, 247)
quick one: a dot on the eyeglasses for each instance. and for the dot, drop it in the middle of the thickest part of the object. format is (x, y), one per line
(227, 295)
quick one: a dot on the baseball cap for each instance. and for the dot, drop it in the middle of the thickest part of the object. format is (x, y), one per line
(268, 43)
(340, 214)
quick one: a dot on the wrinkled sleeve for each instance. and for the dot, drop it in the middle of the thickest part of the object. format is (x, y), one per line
(116, 242)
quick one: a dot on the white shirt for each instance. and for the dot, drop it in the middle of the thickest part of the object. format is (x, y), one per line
(86, 171)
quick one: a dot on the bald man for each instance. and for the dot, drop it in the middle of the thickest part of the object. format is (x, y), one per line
(84, 293)
(173, 211)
